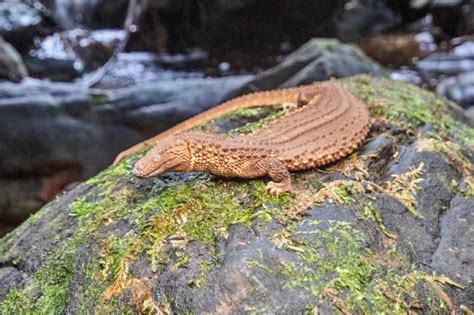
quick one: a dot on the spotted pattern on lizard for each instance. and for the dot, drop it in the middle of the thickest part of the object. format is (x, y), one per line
(328, 124)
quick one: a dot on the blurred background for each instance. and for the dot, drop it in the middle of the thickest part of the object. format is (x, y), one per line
(81, 80)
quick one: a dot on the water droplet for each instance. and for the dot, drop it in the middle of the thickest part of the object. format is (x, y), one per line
(224, 66)
(78, 66)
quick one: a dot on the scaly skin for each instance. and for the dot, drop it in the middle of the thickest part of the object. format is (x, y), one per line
(328, 124)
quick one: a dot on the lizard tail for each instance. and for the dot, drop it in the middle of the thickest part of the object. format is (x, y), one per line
(257, 99)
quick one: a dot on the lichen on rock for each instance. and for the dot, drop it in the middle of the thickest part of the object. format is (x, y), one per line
(367, 234)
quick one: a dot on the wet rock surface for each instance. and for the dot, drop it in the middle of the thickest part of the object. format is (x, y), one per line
(355, 237)
(133, 68)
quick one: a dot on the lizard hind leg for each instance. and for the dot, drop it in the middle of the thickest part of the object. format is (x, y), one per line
(281, 179)
(305, 97)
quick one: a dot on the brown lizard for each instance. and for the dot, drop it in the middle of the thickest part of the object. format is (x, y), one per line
(328, 124)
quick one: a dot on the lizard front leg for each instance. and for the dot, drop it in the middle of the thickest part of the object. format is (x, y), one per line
(307, 95)
(277, 171)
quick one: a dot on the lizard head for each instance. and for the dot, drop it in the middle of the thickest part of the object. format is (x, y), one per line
(169, 155)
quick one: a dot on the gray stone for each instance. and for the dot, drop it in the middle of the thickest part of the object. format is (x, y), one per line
(88, 13)
(11, 278)
(419, 236)
(454, 255)
(11, 65)
(318, 60)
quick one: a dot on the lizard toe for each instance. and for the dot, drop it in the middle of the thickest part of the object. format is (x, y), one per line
(289, 106)
(274, 188)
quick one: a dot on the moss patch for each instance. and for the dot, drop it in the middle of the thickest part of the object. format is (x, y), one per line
(338, 269)
(410, 107)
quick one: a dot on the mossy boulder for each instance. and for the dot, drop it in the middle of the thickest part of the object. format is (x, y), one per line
(387, 229)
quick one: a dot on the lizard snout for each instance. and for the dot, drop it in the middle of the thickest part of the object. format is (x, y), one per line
(139, 169)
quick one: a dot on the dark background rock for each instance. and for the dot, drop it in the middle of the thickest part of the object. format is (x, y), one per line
(220, 25)
(11, 65)
(318, 60)
(90, 14)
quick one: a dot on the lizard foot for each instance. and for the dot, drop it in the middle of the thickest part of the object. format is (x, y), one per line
(289, 106)
(276, 189)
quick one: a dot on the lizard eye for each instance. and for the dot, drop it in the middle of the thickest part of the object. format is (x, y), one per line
(157, 158)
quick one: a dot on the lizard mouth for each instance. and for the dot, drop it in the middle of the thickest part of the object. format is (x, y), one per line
(142, 172)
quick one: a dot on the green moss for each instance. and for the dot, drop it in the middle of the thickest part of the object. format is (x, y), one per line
(250, 127)
(7, 240)
(370, 212)
(97, 98)
(201, 280)
(51, 279)
(105, 178)
(16, 302)
(406, 104)
(80, 208)
(336, 268)
(110, 255)
(200, 212)
(343, 193)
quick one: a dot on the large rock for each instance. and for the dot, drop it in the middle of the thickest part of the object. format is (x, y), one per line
(132, 68)
(383, 230)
